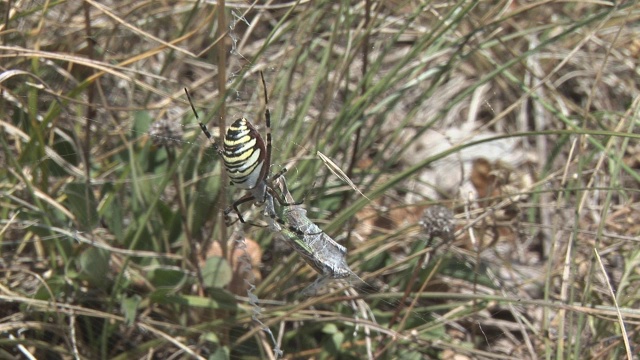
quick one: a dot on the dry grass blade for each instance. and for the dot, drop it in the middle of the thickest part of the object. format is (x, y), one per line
(623, 328)
(335, 169)
(143, 34)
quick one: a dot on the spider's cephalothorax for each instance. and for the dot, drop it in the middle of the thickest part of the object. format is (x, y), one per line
(247, 158)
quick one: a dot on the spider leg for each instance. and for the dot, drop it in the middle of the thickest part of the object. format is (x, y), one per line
(281, 200)
(203, 127)
(242, 200)
(273, 194)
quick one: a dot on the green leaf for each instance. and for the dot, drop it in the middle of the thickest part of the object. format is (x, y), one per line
(167, 278)
(221, 353)
(210, 337)
(338, 339)
(129, 308)
(330, 329)
(165, 296)
(82, 203)
(112, 210)
(94, 266)
(216, 272)
(53, 288)
(141, 122)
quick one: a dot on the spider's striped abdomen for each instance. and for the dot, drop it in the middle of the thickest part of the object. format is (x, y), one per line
(244, 154)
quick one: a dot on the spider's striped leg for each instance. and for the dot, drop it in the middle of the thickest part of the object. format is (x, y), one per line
(203, 127)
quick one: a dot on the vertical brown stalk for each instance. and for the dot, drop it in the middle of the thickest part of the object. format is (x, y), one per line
(222, 90)
(363, 89)
(91, 111)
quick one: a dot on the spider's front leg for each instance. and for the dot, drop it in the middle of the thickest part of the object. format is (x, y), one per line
(227, 219)
(270, 214)
(235, 208)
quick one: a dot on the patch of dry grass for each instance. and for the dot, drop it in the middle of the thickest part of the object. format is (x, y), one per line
(492, 148)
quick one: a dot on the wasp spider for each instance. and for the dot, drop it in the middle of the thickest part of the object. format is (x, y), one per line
(247, 159)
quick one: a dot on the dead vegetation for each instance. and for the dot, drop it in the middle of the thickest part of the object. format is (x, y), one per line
(492, 148)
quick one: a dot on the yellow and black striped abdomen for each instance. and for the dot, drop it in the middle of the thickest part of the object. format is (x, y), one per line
(244, 154)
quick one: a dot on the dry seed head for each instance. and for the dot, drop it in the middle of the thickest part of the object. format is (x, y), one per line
(437, 220)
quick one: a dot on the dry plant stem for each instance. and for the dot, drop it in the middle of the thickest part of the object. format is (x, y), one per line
(607, 202)
(566, 277)
(144, 34)
(72, 335)
(596, 83)
(221, 35)
(126, 252)
(363, 89)
(356, 142)
(564, 294)
(553, 248)
(542, 82)
(588, 106)
(252, 26)
(285, 314)
(117, 70)
(91, 112)
(7, 16)
(623, 330)
(420, 291)
(221, 55)
(64, 308)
